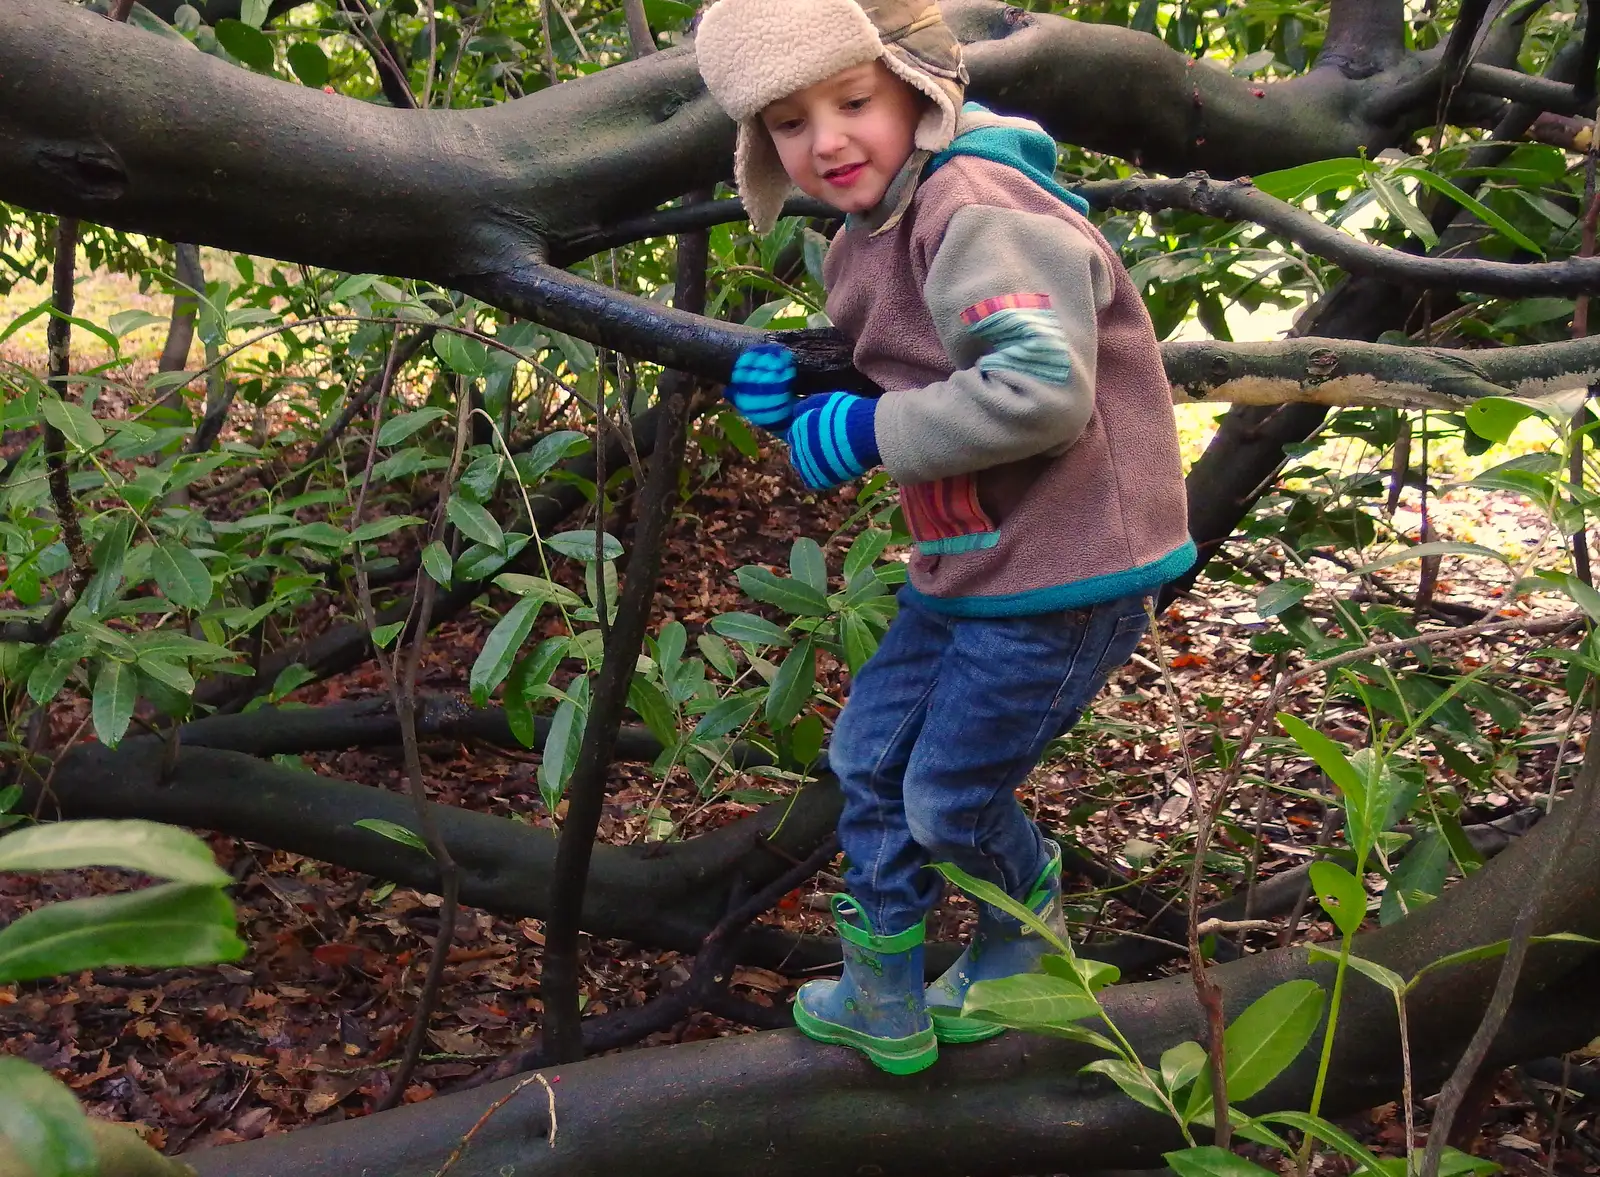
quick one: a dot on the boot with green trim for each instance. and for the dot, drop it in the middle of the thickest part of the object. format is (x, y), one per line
(877, 1006)
(1001, 947)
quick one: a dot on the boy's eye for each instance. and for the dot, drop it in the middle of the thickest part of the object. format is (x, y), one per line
(856, 103)
(784, 126)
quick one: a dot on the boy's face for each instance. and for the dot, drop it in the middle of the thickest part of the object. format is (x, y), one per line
(844, 140)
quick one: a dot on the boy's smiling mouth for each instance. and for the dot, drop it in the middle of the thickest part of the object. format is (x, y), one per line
(843, 177)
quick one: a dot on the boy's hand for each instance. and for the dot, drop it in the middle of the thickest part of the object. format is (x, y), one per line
(760, 387)
(833, 439)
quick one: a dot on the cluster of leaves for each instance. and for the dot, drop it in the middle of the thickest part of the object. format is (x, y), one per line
(188, 920)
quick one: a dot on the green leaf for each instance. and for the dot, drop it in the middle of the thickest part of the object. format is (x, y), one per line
(717, 652)
(1329, 757)
(793, 684)
(551, 449)
(394, 832)
(1437, 548)
(309, 63)
(864, 552)
(161, 851)
(109, 556)
(579, 545)
(1278, 596)
(988, 893)
(463, 356)
(123, 322)
(383, 635)
(1181, 1063)
(250, 46)
(1035, 1002)
(43, 1124)
(808, 565)
(1489, 951)
(49, 675)
(1261, 1042)
(254, 12)
(114, 696)
(728, 714)
(539, 589)
(792, 596)
(181, 576)
(474, 522)
(159, 927)
(436, 563)
(747, 627)
(857, 639)
(1402, 209)
(1317, 1127)
(1371, 969)
(1341, 895)
(397, 429)
(500, 648)
(1478, 209)
(1586, 598)
(560, 752)
(378, 528)
(1417, 879)
(1496, 418)
(1134, 1081)
(1297, 183)
(1207, 1160)
(75, 423)
(650, 705)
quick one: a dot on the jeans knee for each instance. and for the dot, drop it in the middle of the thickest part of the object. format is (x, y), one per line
(850, 755)
(935, 833)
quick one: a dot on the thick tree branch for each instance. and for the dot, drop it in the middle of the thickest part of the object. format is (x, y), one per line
(1240, 200)
(669, 896)
(787, 1107)
(199, 150)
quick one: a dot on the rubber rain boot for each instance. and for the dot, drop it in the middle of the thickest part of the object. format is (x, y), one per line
(1001, 947)
(877, 1006)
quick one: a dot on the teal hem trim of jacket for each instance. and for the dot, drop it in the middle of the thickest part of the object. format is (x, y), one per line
(1076, 594)
(955, 545)
(1010, 146)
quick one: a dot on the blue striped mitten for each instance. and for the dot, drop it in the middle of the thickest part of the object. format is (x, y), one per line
(833, 439)
(761, 386)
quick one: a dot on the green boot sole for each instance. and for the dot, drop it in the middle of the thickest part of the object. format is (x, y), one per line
(897, 1056)
(955, 1029)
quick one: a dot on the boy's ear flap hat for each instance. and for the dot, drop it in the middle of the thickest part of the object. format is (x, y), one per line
(753, 52)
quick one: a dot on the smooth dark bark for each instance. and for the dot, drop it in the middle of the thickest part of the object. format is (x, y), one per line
(666, 895)
(194, 149)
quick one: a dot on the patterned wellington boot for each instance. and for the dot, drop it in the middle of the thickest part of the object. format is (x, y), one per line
(1001, 947)
(877, 1006)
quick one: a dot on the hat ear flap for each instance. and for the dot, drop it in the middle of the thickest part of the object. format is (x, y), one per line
(758, 174)
(937, 126)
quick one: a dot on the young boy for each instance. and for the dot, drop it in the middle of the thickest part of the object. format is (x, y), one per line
(1029, 423)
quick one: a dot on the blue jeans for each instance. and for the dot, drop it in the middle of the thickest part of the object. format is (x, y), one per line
(942, 724)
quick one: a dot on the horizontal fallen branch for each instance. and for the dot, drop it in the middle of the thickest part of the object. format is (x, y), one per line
(787, 1107)
(664, 895)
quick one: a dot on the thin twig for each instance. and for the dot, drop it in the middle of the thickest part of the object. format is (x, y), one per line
(461, 1146)
(1205, 988)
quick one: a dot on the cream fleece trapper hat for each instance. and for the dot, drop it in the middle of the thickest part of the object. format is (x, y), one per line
(753, 52)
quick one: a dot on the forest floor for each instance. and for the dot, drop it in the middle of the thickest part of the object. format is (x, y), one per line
(307, 1027)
